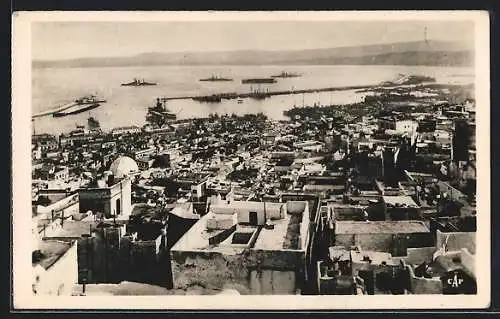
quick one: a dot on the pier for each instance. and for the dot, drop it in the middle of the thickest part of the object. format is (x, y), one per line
(232, 95)
(59, 109)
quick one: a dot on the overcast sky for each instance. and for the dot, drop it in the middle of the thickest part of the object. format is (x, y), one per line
(63, 40)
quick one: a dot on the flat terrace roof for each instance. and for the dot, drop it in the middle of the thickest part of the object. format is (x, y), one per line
(73, 229)
(273, 239)
(380, 227)
(248, 205)
(191, 177)
(375, 257)
(394, 201)
(197, 237)
(278, 238)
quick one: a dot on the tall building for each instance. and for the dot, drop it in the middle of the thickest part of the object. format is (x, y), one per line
(112, 194)
(462, 138)
(389, 166)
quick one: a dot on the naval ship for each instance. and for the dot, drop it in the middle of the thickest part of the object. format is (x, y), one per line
(258, 80)
(215, 78)
(138, 82)
(159, 114)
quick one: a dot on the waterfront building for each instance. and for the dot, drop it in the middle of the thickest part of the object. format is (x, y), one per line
(125, 130)
(398, 125)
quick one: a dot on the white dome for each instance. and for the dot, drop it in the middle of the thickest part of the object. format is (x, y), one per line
(123, 166)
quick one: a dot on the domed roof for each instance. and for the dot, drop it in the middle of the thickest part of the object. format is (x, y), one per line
(123, 166)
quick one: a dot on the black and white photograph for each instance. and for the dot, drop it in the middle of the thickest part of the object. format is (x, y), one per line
(251, 160)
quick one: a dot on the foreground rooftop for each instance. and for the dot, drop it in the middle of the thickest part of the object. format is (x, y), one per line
(287, 233)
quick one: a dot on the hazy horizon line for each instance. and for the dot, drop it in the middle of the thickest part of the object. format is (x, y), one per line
(241, 50)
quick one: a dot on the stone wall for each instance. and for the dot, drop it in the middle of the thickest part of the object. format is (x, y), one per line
(375, 242)
(272, 282)
(144, 258)
(468, 261)
(108, 257)
(417, 255)
(69, 204)
(211, 270)
(215, 270)
(383, 242)
(99, 257)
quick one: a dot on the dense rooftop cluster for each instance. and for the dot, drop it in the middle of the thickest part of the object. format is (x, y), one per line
(385, 180)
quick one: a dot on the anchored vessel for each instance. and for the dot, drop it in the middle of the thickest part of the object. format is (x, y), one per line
(284, 74)
(93, 123)
(138, 82)
(215, 78)
(159, 114)
(258, 80)
(80, 105)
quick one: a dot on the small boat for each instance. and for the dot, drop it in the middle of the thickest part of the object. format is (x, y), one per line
(240, 101)
(137, 82)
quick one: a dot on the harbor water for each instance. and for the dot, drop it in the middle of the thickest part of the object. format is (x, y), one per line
(53, 87)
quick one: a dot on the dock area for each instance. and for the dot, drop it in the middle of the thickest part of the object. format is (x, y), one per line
(59, 109)
(230, 96)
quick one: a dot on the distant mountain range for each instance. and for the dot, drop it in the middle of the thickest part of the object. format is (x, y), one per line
(430, 53)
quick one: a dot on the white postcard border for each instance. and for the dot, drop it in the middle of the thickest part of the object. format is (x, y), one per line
(21, 135)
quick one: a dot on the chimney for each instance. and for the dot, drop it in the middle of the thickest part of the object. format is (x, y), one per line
(111, 180)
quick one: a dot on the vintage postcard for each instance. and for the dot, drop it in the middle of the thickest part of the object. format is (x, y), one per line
(251, 160)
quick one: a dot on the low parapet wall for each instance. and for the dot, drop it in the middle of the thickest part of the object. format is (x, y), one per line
(58, 206)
